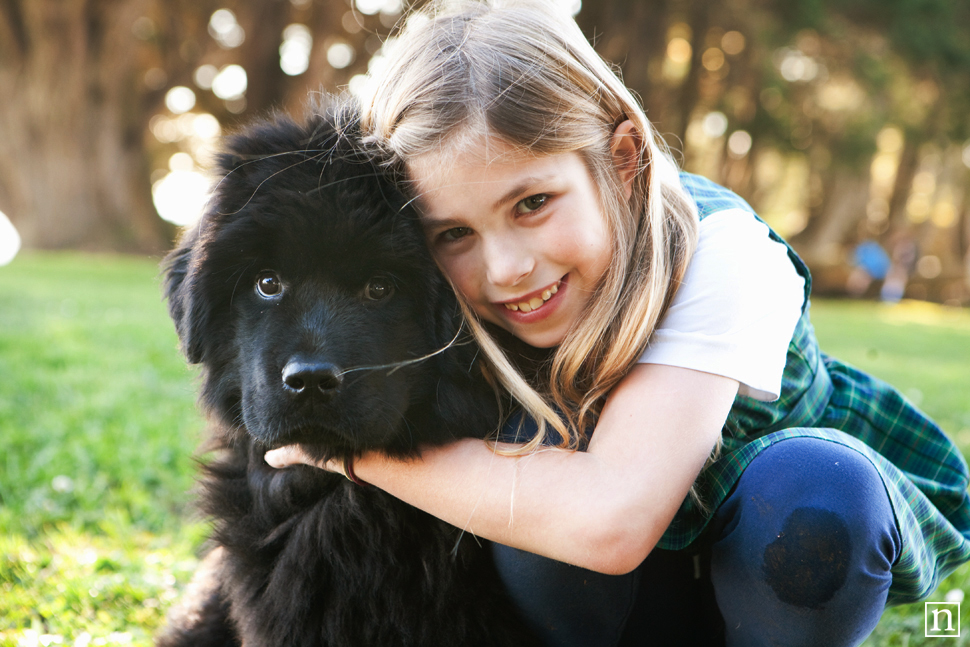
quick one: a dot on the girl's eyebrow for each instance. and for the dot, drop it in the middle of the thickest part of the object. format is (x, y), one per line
(430, 222)
(520, 188)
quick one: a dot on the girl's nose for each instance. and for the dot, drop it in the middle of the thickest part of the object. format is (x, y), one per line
(506, 263)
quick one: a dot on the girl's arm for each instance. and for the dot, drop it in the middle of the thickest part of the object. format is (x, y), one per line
(603, 509)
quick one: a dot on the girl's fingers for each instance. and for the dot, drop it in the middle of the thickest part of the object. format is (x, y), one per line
(287, 456)
(290, 455)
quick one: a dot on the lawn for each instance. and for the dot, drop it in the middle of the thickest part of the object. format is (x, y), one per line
(98, 429)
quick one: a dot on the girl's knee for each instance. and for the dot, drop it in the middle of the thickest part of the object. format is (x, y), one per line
(795, 476)
(809, 561)
(814, 500)
(809, 532)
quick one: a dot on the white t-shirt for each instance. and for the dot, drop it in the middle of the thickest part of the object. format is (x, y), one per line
(737, 307)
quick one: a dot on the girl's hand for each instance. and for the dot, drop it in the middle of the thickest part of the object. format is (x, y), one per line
(294, 455)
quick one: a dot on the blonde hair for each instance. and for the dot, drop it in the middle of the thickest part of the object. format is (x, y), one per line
(524, 72)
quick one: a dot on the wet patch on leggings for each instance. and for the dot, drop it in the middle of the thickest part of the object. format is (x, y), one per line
(809, 561)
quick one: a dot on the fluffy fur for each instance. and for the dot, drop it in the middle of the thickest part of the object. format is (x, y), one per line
(304, 293)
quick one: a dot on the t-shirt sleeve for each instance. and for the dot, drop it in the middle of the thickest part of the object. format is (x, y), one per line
(736, 309)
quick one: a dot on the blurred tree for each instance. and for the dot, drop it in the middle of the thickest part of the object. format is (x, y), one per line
(72, 169)
(84, 78)
(782, 100)
(752, 88)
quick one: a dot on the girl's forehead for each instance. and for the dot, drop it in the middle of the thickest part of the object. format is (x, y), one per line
(446, 188)
(467, 149)
(486, 165)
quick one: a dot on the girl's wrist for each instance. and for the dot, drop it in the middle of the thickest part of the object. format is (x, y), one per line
(348, 468)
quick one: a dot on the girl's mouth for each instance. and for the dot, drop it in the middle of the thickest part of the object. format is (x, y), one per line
(536, 302)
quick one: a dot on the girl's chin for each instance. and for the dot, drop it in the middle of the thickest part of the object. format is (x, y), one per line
(538, 335)
(531, 335)
(541, 341)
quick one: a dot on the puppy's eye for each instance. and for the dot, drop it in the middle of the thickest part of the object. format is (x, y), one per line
(378, 288)
(268, 285)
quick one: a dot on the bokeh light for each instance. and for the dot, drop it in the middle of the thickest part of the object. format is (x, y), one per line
(226, 31)
(715, 124)
(230, 83)
(733, 43)
(168, 130)
(180, 197)
(929, 267)
(359, 85)
(181, 162)
(205, 126)
(739, 143)
(340, 55)
(679, 50)
(204, 76)
(383, 7)
(296, 49)
(796, 66)
(712, 59)
(180, 99)
(369, 7)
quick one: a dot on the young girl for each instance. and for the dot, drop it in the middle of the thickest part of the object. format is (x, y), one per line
(720, 453)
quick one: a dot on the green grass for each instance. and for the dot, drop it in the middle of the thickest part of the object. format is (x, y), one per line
(98, 428)
(924, 350)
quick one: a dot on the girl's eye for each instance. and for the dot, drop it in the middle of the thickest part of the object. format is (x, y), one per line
(378, 288)
(455, 233)
(532, 203)
(268, 285)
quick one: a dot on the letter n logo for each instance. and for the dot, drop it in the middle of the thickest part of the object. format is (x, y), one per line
(942, 619)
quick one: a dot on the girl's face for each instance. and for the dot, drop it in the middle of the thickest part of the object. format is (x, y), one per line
(522, 238)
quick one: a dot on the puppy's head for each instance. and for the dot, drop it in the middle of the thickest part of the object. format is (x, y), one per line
(308, 296)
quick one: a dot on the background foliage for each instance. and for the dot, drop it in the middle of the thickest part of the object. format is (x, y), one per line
(840, 120)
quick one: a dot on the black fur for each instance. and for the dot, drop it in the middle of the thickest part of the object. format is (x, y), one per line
(305, 557)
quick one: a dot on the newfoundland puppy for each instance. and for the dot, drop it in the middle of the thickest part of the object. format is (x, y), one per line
(307, 295)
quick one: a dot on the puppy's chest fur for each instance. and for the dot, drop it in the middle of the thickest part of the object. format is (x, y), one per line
(313, 559)
(309, 299)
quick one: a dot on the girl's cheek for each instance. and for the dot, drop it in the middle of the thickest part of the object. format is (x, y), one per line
(452, 267)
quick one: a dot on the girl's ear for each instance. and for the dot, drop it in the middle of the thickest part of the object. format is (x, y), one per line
(625, 147)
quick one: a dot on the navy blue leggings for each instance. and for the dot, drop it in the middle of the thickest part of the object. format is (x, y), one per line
(798, 554)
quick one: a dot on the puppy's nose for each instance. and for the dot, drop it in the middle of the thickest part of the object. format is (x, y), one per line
(304, 378)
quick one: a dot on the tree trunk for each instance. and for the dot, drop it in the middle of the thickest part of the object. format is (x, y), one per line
(903, 183)
(633, 35)
(847, 192)
(72, 159)
(264, 26)
(689, 96)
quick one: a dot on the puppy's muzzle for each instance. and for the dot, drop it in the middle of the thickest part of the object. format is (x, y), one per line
(307, 378)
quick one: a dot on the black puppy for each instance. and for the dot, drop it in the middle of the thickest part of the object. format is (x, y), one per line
(310, 300)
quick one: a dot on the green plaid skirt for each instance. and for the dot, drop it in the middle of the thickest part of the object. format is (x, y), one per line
(923, 471)
(925, 474)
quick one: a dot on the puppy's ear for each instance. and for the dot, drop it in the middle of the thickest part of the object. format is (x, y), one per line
(178, 280)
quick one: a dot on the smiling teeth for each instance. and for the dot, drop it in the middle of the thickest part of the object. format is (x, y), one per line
(535, 302)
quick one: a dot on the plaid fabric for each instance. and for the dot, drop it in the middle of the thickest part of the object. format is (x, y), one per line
(924, 473)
